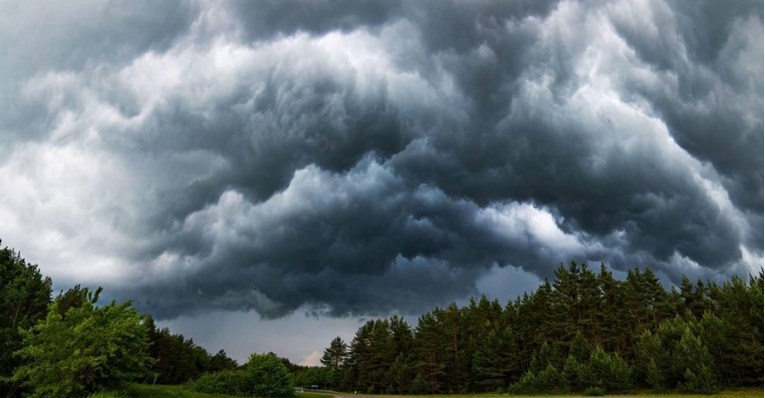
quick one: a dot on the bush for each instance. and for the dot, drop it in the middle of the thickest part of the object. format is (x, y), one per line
(269, 376)
(595, 392)
(83, 349)
(229, 382)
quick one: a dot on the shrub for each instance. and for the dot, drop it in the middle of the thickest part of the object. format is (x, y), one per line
(595, 392)
(269, 376)
(230, 382)
(84, 349)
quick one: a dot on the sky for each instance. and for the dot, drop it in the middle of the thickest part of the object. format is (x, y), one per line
(264, 176)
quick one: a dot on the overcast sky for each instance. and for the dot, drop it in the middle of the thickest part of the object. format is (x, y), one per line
(264, 175)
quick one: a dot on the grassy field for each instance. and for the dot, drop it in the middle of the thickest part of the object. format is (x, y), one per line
(145, 391)
(746, 393)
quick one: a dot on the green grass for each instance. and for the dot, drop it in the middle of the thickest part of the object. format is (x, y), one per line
(744, 393)
(162, 391)
(146, 391)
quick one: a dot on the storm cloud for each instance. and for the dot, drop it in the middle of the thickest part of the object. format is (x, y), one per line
(368, 157)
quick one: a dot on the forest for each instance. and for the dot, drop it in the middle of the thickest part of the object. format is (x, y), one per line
(580, 332)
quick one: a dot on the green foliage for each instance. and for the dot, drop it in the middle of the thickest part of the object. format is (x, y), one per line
(315, 375)
(270, 376)
(400, 374)
(654, 376)
(572, 374)
(231, 382)
(527, 384)
(580, 348)
(334, 356)
(608, 371)
(637, 327)
(24, 300)
(651, 359)
(177, 359)
(547, 355)
(595, 392)
(702, 381)
(419, 385)
(548, 379)
(85, 350)
(693, 356)
(734, 332)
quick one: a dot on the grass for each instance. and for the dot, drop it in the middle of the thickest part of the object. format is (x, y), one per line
(146, 391)
(162, 391)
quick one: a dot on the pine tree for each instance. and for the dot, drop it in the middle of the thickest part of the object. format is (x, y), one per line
(572, 374)
(334, 355)
(419, 385)
(430, 339)
(651, 361)
(692, 358)
(607, 371)
(654, 376)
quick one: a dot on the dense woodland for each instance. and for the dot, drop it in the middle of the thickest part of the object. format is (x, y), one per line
(580, 330)
(69, 346)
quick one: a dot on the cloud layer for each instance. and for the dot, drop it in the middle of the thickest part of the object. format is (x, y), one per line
(367, 157)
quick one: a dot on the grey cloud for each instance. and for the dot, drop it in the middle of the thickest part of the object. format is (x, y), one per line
(368, 157)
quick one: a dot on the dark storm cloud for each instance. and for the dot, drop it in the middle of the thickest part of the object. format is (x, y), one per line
(368, 157)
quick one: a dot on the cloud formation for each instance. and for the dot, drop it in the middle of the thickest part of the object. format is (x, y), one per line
(368, 157)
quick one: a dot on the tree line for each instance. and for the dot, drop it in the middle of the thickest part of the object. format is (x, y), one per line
(582, 330)
(68, 346)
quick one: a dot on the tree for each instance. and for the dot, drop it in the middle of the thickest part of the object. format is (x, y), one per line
(269, 376)
(24, 300)
(495, 360)
(400, 374)
(334, 355)
(693, 359)
(221, 361)
(651, 362)
(84, 350)
(419, 385)
(178, 359)
(429, 340)
(314, 375)
(607, 371)
(734, 333)
(572, 374)
(636, 324)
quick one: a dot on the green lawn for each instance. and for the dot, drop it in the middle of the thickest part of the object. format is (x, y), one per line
(145, 391)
